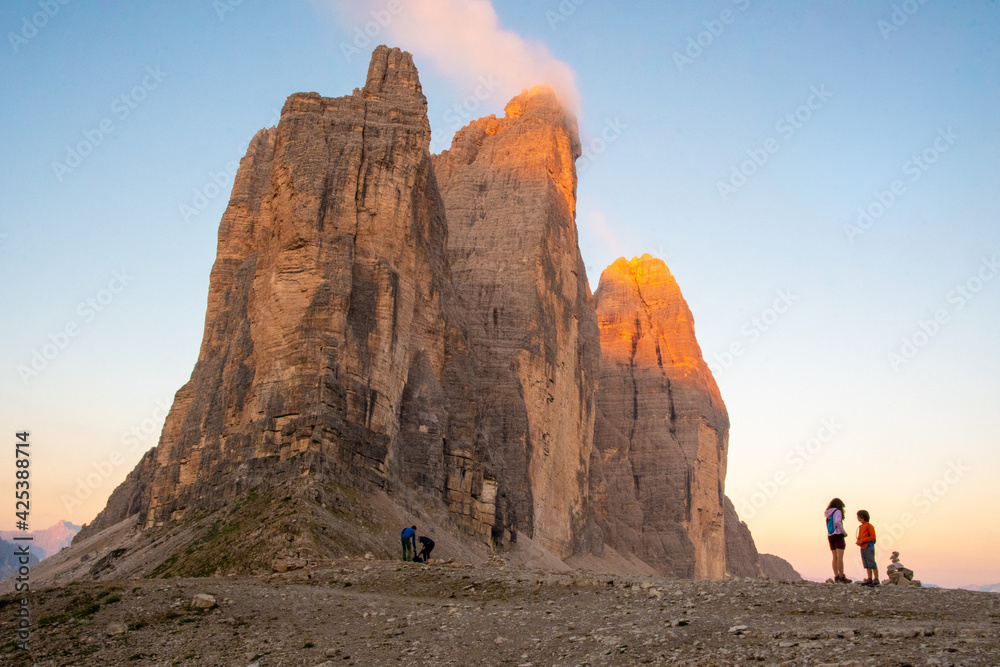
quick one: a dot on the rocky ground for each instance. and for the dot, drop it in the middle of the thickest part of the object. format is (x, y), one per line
(367, 612)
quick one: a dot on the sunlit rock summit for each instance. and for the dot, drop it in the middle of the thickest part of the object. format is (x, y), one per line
(395, 337)
(509, 189)
(662, 430)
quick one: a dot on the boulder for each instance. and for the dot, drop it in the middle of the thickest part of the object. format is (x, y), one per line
(115, 629)
(203, 601)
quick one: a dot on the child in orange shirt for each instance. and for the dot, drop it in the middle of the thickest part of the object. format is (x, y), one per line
(866, 540)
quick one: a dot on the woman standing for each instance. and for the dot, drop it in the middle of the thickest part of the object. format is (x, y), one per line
(835, 533)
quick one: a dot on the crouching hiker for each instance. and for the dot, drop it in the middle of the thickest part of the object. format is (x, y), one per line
(427, 545)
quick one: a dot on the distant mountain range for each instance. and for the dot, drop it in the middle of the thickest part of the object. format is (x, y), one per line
(8, 559)
(988, 588)
(47, 542)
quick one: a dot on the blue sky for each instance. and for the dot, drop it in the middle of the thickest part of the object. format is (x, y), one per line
(199, 78)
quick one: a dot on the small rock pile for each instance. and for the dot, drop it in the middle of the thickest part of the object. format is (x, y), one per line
(899, 575)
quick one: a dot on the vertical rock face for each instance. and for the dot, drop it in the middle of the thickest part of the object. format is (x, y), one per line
(331, 329)
(509, 189)
(659, 460)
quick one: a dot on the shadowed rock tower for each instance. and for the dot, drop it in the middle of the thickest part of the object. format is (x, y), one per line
(331, 330)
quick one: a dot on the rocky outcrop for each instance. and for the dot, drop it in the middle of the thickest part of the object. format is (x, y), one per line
(332, 343)
(742, 559)
(659, 460)
(778, 568)
(509, 189)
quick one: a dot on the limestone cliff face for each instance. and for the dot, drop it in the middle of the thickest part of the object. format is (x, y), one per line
(332, 339)
(509, 189)
(661, 434)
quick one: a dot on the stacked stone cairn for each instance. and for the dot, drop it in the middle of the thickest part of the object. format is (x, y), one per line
(899, 575)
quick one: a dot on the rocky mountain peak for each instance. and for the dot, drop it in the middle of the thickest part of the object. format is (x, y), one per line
(662, 430)
(640, 297)
(642, 270)
(391, 71)
(384, 323)
(509, 189)
(540, 135)
(540, 101)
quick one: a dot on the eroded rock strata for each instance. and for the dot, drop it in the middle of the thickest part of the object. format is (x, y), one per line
(742, 558)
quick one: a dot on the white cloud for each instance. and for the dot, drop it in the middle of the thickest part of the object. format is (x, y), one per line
(464, 41)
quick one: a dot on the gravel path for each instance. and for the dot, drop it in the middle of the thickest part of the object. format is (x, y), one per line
(367, 612)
